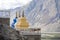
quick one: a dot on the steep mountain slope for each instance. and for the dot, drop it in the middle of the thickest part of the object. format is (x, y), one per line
(44, 14)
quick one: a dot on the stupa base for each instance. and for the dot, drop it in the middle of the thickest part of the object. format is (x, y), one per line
(21, 28)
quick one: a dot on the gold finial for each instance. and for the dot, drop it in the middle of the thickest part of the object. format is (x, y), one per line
(19, 14)
(16, 14)
(23, 14)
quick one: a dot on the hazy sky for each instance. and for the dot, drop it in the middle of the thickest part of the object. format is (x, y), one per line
(7, 4)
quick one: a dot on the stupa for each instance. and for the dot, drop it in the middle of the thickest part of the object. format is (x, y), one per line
(22, 22)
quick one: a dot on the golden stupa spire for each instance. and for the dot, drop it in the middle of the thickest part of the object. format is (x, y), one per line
(22, 22)
(23, 14)
(16, 14)
(19, 14)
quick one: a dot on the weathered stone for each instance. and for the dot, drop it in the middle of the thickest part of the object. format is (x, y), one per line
(8, 33)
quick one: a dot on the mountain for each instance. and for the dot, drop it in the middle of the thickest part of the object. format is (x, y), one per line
(44, 14)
